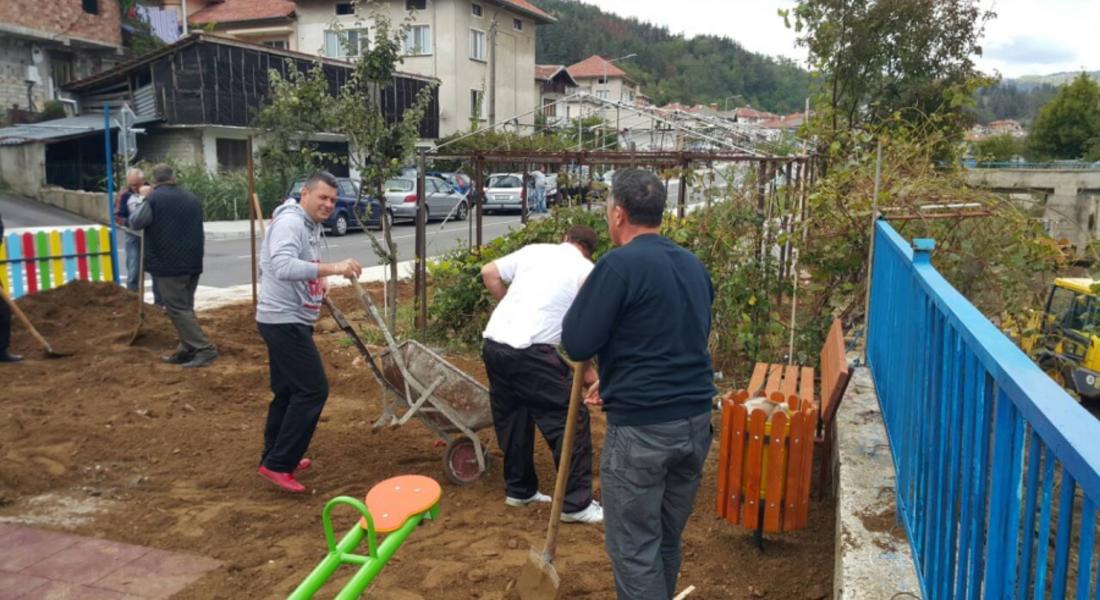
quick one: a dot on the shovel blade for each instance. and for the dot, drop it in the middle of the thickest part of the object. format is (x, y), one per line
(539, 579)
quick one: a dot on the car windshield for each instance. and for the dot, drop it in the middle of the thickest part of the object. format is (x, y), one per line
(505, 181)
(297, 187)
(399, 185)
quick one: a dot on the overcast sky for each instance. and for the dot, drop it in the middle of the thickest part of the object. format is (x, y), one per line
(1028, 37)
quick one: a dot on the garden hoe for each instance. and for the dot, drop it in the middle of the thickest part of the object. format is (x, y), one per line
(539, 579)
(141, 293)
(50, 352)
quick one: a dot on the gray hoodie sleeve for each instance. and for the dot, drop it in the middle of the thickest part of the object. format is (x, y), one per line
(286, 247)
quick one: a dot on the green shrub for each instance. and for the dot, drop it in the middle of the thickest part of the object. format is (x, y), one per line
(746, 323)
(52, 110)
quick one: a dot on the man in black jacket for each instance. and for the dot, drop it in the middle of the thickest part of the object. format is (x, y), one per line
(645, 311)
(171, 218)
(5, 321)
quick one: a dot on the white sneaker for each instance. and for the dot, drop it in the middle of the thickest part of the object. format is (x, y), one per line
(538, 497)
(593, 513)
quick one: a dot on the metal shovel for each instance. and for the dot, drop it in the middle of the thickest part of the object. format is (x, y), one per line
(539, 579)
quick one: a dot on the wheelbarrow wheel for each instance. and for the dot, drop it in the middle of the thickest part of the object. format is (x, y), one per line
(460, 461)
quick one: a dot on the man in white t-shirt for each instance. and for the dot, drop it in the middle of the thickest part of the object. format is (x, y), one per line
(529, 381)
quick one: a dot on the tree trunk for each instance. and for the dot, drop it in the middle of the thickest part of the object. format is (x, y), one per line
(391, 259)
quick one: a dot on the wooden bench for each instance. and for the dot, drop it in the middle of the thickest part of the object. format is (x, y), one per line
(752, 444)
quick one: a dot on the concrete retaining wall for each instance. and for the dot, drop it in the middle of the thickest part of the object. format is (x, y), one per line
(90, 205)
(23, 168)
(873, 558)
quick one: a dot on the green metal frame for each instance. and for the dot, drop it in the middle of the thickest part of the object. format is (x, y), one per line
(340, 554)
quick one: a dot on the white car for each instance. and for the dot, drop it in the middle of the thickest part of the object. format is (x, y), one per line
(505, 192)
(441, 200)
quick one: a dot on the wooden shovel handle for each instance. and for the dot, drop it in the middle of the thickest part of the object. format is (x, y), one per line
(23, 318)
(566, 459)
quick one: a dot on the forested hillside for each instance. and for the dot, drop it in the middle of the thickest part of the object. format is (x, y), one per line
(672, 68)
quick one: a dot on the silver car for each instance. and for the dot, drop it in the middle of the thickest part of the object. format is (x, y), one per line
(504, 192)
(441, 200)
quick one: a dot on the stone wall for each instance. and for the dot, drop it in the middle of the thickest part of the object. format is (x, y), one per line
(90, 205)
(23, 168)
(179, 145)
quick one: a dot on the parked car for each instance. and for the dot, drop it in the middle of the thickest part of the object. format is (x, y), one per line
(346, 216)
(441, 199)
(459, 181)
(505, 192)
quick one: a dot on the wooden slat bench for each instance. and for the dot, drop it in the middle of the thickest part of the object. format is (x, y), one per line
(748, 436)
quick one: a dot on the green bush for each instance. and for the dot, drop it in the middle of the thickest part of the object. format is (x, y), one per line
(746, 323)
(224, 194)
(52, 110)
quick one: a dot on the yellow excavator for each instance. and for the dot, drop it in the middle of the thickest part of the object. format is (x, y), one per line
(1064, 339)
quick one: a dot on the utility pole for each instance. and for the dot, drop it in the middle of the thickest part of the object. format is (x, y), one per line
(493, 72)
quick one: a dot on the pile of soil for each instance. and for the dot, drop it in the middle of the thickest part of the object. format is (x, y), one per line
(113, 443)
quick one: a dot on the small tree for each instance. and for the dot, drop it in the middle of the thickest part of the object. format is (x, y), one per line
(302, 104)
(1069, 125)
(998, 148)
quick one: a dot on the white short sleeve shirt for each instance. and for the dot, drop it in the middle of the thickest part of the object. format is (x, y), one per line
(543, 281)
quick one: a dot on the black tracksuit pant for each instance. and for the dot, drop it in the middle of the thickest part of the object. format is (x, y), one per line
(530, 387)
(300, 387)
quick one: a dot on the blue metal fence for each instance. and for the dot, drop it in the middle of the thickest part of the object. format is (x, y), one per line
(998, 468)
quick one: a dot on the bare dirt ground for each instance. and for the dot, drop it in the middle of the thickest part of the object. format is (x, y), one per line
(112, 443)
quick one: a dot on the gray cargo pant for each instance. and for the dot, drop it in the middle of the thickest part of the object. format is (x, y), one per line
(649, 475)
(179, 298)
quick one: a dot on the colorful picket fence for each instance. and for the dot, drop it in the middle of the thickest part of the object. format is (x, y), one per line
(31, 262)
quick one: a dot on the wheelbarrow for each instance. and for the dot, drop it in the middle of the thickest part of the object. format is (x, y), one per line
(417, 382)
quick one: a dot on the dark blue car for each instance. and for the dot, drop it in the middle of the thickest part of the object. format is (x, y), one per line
(346, 216)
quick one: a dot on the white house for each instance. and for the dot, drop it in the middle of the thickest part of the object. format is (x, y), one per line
(449, 40)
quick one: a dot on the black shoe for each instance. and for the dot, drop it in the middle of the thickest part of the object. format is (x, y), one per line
(180, 357)
(202, 358)
(8, 357)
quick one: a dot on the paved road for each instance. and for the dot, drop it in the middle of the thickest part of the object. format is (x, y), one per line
(228, 262)
(24, 212)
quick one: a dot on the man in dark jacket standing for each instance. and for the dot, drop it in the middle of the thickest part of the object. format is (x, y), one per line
(645, 311)
(5, 321)
(172, 221)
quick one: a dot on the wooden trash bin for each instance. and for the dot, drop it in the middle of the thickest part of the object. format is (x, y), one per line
(765, 462)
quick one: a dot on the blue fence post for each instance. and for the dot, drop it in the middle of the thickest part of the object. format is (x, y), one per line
(110, 190)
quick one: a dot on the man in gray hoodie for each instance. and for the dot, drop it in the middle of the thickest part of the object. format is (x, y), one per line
(291, 292)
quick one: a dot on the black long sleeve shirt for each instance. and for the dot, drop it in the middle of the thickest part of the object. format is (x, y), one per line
(645, 312)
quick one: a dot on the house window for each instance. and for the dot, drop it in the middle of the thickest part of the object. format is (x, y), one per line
(90, 6)
(418, 40)
(601, 94)
(549, 107)
(628, 96)
(347, 43)
(477, 44)
(416, 4)
(232, 154)
(345, 8)
(477, 104)
(475, 9)
(517, 24)
(279, 44)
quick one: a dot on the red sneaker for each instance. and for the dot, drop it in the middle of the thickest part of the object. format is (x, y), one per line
(303, 465)
(283, 480)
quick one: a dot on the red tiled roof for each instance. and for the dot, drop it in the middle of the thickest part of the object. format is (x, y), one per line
(243, 10)
(594, 66)
(547, 71)
(531, 9)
